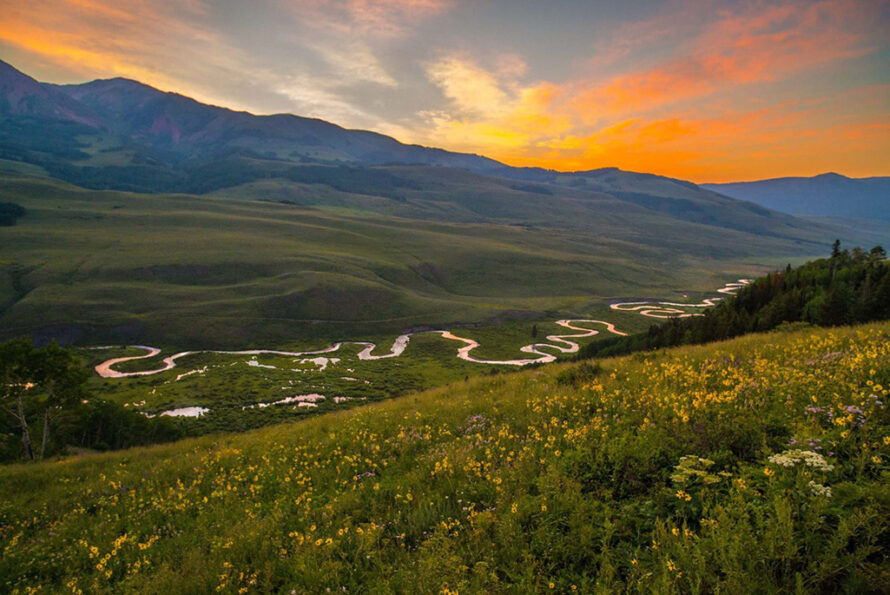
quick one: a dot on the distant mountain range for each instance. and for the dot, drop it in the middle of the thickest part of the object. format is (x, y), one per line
(826, 195)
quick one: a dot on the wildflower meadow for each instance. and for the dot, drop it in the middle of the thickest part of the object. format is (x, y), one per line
(754, 465)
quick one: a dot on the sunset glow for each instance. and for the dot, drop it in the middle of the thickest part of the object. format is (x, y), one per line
(700, 90)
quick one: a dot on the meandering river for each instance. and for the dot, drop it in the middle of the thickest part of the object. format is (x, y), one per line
(545, 351)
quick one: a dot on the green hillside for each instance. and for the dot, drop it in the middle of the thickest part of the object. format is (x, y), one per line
(211, 228)
(754, 465)
(233, 270)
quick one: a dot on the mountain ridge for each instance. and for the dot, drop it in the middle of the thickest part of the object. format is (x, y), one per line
(109, 103)
(121, 134)
(108, 94)
(139, 138)
(825, 195)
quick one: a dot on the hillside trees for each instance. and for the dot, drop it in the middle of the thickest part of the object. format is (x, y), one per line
(44, 393)
(47, 379)
(61, 380)
(15, 378)
(9, 212)
(851, 286)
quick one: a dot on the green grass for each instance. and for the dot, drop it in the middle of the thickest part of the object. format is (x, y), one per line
(238, 270)
(227, 383)
(93, 267)
(567, 476)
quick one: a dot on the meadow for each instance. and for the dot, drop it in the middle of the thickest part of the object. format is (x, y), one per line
(235, 390)
(753, 465)
(187, 272)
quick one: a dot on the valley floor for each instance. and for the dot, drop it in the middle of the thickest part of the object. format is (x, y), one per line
(306, 374)
(558, 343)
(757, 464)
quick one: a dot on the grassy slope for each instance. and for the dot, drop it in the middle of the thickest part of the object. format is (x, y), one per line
(186, 271)
(550, 478)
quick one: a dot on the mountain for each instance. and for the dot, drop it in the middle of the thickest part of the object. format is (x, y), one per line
(826, 195)
(173, 126)
(170, 121)
(124, 135)
(22, 96)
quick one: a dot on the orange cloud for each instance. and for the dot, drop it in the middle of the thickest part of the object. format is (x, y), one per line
(488, 114)
(374, 18)
(144, 40)
(622, 121)
(471, 89)
(536, 126)
(764, 44)
(693, 92)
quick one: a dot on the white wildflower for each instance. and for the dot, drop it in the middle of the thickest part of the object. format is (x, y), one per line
(791, 458)
(820, 490)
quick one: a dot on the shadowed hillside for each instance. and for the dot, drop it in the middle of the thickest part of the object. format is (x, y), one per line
(229, 271)
(251, 228)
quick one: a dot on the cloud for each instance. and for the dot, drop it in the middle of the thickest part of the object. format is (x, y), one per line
(193, 47)
(471, 89)
(354, 61)
(758, 44)
(688, 114)
(488, 112)
(368, 18)
(150, 41)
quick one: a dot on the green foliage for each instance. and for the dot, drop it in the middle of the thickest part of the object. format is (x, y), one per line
(757, 465)
(41, 141)
(9, 212)
(692, 470)
(579, 375)
(44, 397)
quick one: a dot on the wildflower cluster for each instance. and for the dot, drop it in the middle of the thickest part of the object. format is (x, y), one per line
(819, 490)
(808, 458)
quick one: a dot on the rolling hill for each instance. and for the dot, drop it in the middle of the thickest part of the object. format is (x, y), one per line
(225, 270)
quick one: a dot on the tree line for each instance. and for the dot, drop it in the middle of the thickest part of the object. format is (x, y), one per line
(851, 286)
(9, 212)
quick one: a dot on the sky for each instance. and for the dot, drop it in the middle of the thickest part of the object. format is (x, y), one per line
(705, 90)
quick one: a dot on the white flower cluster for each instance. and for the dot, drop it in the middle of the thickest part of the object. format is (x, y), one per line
(820, 490)
(790, 458)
